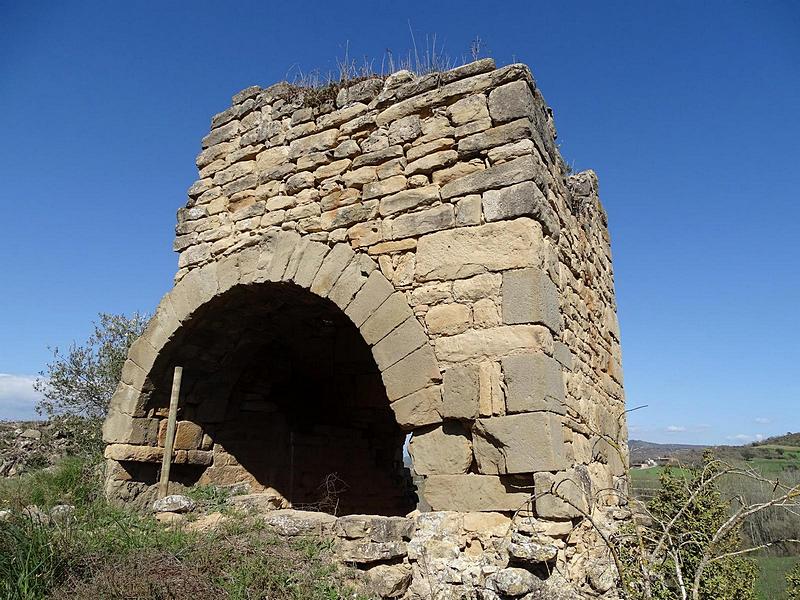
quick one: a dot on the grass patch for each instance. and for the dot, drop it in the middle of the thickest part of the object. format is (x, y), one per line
(771, 584)
(114, 553)
(210, 497)
(73, 481)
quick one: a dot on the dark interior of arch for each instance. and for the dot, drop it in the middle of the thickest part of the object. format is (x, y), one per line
(288, 391)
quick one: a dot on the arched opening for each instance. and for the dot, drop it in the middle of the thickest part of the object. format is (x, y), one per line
(288, 396)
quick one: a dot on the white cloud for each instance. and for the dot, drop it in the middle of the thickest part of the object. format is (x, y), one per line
(675, 429)
(742, 437)
(762, 420)
(17, 397)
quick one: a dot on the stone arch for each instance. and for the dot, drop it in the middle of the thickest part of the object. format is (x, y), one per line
(334, 279)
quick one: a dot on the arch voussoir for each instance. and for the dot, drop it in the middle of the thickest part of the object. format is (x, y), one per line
(331, 269)
(308, 263)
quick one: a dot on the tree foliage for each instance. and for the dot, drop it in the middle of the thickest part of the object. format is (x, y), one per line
(699, 511)
(793, 583)
(81, 381)
(686, 543)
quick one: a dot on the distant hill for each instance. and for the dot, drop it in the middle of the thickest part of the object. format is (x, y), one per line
(642, 451)
(778, 449)
(790, 439)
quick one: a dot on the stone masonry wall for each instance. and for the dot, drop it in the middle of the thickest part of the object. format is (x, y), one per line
(437, 213)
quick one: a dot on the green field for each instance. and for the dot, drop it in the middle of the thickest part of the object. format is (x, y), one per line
(772, 461)
(772, 575)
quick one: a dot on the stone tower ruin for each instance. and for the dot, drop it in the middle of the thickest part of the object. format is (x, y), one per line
(399, 256)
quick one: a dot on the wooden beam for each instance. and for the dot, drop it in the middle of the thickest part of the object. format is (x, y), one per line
(169, 441)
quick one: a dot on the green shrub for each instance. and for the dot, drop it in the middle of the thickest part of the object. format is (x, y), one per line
(793, 583)
(661, 557)
(731, 578)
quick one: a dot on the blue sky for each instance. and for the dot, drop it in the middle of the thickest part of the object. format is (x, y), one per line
(687, 111)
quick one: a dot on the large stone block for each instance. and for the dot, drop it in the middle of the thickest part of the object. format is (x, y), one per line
(419, 408)
(472, 493)
(142, 353)
(131, 452)
(389, 315)
(530, 296)
(524, 168)
(408, 199)
(405, 130)
(496, 136)
(468, 211)
(295, 259)
(308, 264)
(422, 222)
(534, 382)
(348, 284)
(221, 134)
(389, 581)
(127, 399)
(363, 91)
(432, 162)
(448, 319)
(467, 251)
(450, 92)
(511, 101)
(345, 216)
(522, 199)
(385, 187)
(486, 285)
(366, 552)
(377, 157)
(401, 342)
(188, 435)
(416, 371)
(270, 158)
(522, 443)
(198, 287)
(444, 449)
(121, 428)
(430, 147)
(317, 142)
(466, 110)
(332, 267)
(491, 399)
(493, 343)
(374, 292)
(134, 378)
(375, 528)
(562, 495)
(461, 392)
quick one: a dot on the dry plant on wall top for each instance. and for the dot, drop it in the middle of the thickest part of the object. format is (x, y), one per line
(318, 86)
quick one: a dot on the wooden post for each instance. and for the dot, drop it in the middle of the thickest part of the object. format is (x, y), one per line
(169, 441)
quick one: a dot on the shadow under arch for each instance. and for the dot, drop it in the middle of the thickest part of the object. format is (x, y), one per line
(288, 392)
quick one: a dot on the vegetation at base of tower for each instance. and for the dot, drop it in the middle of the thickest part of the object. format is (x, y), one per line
(104, 551)
(107, 551)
